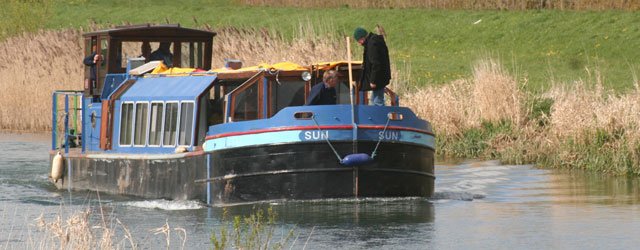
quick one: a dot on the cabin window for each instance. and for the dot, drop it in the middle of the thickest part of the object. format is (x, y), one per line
(186, 123)
(140, 135)
(170, 123)
(192, 55)
(285, 94)
(104, 45)
(155, 132)
(129, 50)
(126, 123)
(245, 104)
(342, 90)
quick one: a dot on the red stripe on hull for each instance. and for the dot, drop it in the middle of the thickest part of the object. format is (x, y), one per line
(331, 127)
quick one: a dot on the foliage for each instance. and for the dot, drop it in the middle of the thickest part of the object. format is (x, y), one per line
(540, 110)
(255, 231)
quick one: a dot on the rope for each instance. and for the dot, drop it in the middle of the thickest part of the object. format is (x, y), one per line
(373, 155)
(326, 138)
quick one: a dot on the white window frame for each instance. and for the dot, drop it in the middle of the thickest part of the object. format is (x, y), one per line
(175, 140)
(161, 125)
(192, 122)
(132, 127)
(135, 108)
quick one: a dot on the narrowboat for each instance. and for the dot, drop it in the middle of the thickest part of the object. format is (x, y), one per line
(229, 135)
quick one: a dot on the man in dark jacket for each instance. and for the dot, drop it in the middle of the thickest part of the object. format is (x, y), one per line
(324, 93)
(376, 71)
(163, 53)
(92, 61)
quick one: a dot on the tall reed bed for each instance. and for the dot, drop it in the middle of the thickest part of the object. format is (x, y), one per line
(577, 125)
(33, 65)
(456, 4)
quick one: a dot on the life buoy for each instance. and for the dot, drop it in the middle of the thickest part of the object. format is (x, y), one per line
(57, 167)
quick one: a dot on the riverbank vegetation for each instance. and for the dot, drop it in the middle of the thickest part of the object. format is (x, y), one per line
(579, 125)
(566, 96)
(95, 228)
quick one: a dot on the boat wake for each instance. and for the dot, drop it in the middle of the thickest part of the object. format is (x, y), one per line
(166, 204)
(469, 181)
(456, 195)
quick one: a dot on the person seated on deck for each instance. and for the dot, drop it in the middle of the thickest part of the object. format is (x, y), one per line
(163, 53)
(324, 93)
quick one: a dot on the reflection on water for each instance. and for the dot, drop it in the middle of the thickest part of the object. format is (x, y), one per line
(477, 205)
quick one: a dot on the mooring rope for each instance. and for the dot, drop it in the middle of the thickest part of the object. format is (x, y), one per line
(313, 117)
(373, 154)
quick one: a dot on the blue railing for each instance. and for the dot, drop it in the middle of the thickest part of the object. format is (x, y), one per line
(76, 111)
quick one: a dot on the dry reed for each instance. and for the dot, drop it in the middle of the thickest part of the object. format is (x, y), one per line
(80, 231)
(36, 64)
(456, 4)
(491, 95)
(585, 126)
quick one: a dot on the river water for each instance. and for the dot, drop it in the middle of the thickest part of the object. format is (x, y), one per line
(477, 205)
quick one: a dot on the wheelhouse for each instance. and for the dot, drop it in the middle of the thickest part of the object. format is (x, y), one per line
(190, 48)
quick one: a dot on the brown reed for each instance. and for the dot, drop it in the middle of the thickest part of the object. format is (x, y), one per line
(36, 64)
(455, 4)
(490, 95)
(587, 127)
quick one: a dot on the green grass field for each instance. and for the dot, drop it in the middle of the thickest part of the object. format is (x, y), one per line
(439, 45)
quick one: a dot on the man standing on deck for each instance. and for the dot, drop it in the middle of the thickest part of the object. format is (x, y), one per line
(376, 71)
(324, 93)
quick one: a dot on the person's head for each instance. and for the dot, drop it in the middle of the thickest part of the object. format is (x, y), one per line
(330, 78)
(360, 35)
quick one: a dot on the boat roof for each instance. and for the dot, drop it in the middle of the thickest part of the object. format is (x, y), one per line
(150, 31)
(168, 88)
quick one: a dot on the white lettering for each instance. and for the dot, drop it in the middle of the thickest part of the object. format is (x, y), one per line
(316, 135)
(389, 135)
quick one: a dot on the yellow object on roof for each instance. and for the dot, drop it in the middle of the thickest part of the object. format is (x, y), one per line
(163, 69)
(286, 66)
(331, 65)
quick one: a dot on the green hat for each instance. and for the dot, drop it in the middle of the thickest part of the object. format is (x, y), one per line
(359, 33)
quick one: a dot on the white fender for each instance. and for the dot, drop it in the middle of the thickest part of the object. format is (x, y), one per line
(57, 167)
(181, 149)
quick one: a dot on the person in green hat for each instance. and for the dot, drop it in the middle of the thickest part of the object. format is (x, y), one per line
(376, 71)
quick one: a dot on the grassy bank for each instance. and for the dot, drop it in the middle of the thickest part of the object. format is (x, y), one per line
(545, 46)
(456, 4)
